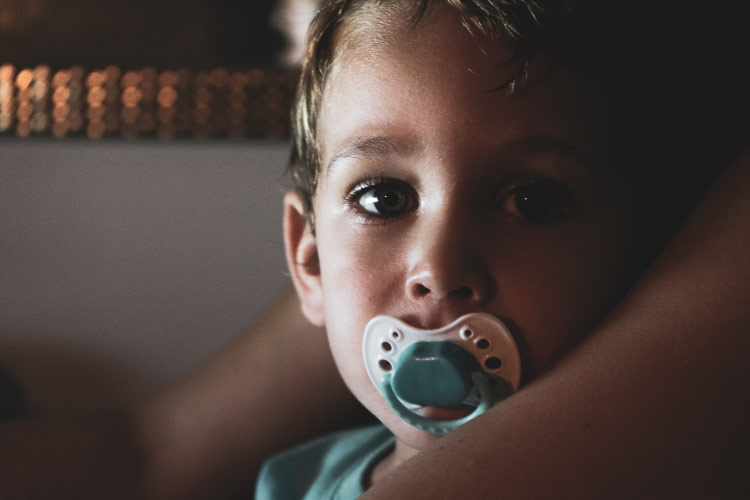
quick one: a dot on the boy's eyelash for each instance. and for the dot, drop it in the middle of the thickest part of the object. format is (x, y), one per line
(361, 186)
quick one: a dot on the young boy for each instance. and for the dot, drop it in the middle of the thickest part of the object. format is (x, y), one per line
(454, 158)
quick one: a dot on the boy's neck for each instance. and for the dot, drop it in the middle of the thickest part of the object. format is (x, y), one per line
(401, 453)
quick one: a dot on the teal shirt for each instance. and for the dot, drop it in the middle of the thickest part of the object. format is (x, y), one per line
(333, 467)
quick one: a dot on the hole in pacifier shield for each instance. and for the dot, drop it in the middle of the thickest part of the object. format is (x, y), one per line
(493, 363)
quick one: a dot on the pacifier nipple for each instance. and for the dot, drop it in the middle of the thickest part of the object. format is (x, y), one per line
(473, 361)
(434, 374)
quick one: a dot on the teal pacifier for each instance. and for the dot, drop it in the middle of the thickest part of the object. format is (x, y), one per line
(473, 361)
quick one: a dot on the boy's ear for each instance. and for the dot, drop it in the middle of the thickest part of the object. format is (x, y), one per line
(302, 258)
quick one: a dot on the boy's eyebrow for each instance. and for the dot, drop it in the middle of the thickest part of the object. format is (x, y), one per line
(546, 144)
(368, 146)
(371, 146)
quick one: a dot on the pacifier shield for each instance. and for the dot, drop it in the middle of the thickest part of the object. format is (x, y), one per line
(472, 361)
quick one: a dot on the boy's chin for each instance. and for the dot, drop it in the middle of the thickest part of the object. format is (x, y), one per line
(417, 439)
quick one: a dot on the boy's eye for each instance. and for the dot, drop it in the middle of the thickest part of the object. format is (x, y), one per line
(537, 201)
(381, 199)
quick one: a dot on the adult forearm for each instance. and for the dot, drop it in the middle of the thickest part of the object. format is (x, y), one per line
(205, 438)
(274, 387)
(654, 404)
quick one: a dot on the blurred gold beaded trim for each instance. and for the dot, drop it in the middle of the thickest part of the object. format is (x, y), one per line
(108, 102)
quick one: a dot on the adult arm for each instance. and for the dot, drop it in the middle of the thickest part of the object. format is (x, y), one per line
(205, 438)
(274, 387)
(654, 404)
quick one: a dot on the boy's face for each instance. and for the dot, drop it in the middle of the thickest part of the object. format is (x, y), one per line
(440, 196)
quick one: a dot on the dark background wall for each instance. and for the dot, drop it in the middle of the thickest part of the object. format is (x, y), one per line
(199, 34)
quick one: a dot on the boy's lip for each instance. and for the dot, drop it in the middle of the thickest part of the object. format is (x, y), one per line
(434, 321)
(453, 412)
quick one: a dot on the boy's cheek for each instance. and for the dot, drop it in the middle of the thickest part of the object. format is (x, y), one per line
(554, 304)
(365, 273)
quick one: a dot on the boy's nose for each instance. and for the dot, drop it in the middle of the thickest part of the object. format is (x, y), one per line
(449, 272)
(430, 285)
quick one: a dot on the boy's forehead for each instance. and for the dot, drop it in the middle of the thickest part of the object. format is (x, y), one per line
(373, 56)
(380, 79)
